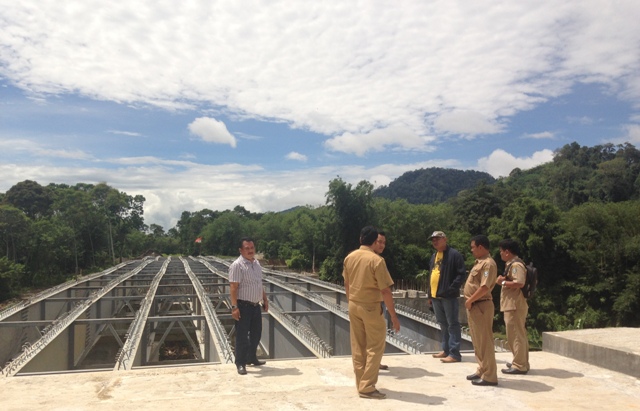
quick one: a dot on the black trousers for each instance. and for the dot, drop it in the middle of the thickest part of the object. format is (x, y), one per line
(248, 332)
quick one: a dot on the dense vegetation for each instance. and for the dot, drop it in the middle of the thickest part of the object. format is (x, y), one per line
(431, 185)
(577, 218)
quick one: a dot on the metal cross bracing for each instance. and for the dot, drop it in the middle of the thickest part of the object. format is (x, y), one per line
(164, 311)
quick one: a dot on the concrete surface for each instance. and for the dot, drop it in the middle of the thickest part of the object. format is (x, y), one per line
(616, 349)
(412, 382)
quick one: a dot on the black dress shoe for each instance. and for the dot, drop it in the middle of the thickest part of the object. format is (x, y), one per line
(483, 382)
(258, 363)
(242, 370)
(513, 371)
(473, 377)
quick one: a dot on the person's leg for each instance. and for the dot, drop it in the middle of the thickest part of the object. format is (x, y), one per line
(487, 351)
(358, 341)
(375, 332)
(255, 332)
(441, 317)
(242, 336)
(452, 311)
(517, 338)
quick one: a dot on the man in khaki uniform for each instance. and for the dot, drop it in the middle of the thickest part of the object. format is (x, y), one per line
(367, 283)
(480, 310)
(514, 306)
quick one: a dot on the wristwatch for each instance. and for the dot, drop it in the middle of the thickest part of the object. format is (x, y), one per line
(233, 307)
(504, 282)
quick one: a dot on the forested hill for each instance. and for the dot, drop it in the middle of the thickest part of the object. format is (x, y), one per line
(431, 185)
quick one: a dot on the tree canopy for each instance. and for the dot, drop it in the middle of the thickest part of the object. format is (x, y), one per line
(577, 218)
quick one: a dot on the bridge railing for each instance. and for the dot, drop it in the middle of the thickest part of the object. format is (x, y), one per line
(127, 353)
(220, 337)
(60, 324)
(319, 347)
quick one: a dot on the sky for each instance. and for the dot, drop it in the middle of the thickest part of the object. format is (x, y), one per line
(212, 104)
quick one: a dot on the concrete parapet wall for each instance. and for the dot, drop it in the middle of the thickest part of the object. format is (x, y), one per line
(611, 348)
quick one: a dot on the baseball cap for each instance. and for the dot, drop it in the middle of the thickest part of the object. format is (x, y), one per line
(438, 234)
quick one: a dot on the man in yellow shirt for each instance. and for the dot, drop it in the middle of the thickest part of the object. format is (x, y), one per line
(446, 275)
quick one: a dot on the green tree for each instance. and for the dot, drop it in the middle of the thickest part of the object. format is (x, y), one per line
(10, 276)
(30, 197)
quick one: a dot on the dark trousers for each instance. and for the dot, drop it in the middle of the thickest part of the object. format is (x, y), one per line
(248, 332)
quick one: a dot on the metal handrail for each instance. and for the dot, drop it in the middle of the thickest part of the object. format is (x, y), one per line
(124, 359)
(60, 324)
(221, 340)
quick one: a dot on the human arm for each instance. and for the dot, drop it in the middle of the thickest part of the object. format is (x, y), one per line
(265, 301)
(235, 312)
(480, 292)
(387, 297)
(517, 278)
(459, 272)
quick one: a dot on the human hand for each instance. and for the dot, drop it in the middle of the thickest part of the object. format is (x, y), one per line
(395, 323)
(235, 313)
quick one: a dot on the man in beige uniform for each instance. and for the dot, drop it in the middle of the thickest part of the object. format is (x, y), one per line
(378, 248)
(514, 306)
(480, 310)
(367, 283)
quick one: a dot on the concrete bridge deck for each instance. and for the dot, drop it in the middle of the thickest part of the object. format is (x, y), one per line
(412, 383)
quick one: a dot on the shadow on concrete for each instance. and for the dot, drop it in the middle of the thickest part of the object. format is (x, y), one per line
(525, 385)
(555, 373)
(265, 371)
(408, 373)
(414, 397)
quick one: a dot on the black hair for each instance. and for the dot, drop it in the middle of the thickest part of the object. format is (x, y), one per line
(482, 240)
(510, 245)
(243, 239)
(368, 235)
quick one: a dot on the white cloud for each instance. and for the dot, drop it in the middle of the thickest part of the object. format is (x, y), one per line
(296, 156)
(337, 68)
(541, 135)
(378, 140)
(631, 134)
(467, 123)
(212, 131)
(500, 163)
(125, 133)
(13, 147)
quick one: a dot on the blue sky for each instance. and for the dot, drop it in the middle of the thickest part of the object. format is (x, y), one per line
(204, 104)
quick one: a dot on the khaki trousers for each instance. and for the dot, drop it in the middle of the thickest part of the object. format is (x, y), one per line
(517, 336)
(368, 332)
(481, 324)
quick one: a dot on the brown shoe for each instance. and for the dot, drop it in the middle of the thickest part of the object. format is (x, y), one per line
(374, 395)
(383, 367)
(449, 359)
(441, 354)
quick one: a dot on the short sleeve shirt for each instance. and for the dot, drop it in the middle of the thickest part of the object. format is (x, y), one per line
(248, 275)
(367, 274)
(512, 298)
(484, 272)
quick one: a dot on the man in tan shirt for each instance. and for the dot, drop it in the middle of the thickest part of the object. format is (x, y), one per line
(367, 283)
(514, 306)
(480, 310)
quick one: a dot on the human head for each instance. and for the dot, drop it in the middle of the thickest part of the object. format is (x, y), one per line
(508, 249)
(247, 248)
(480, 246)
(368, 235)
(380, 243)
(439, 240)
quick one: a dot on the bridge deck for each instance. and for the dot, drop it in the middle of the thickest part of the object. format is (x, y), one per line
(413, 382)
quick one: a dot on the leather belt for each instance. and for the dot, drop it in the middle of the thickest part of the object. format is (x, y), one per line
(244, 302)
